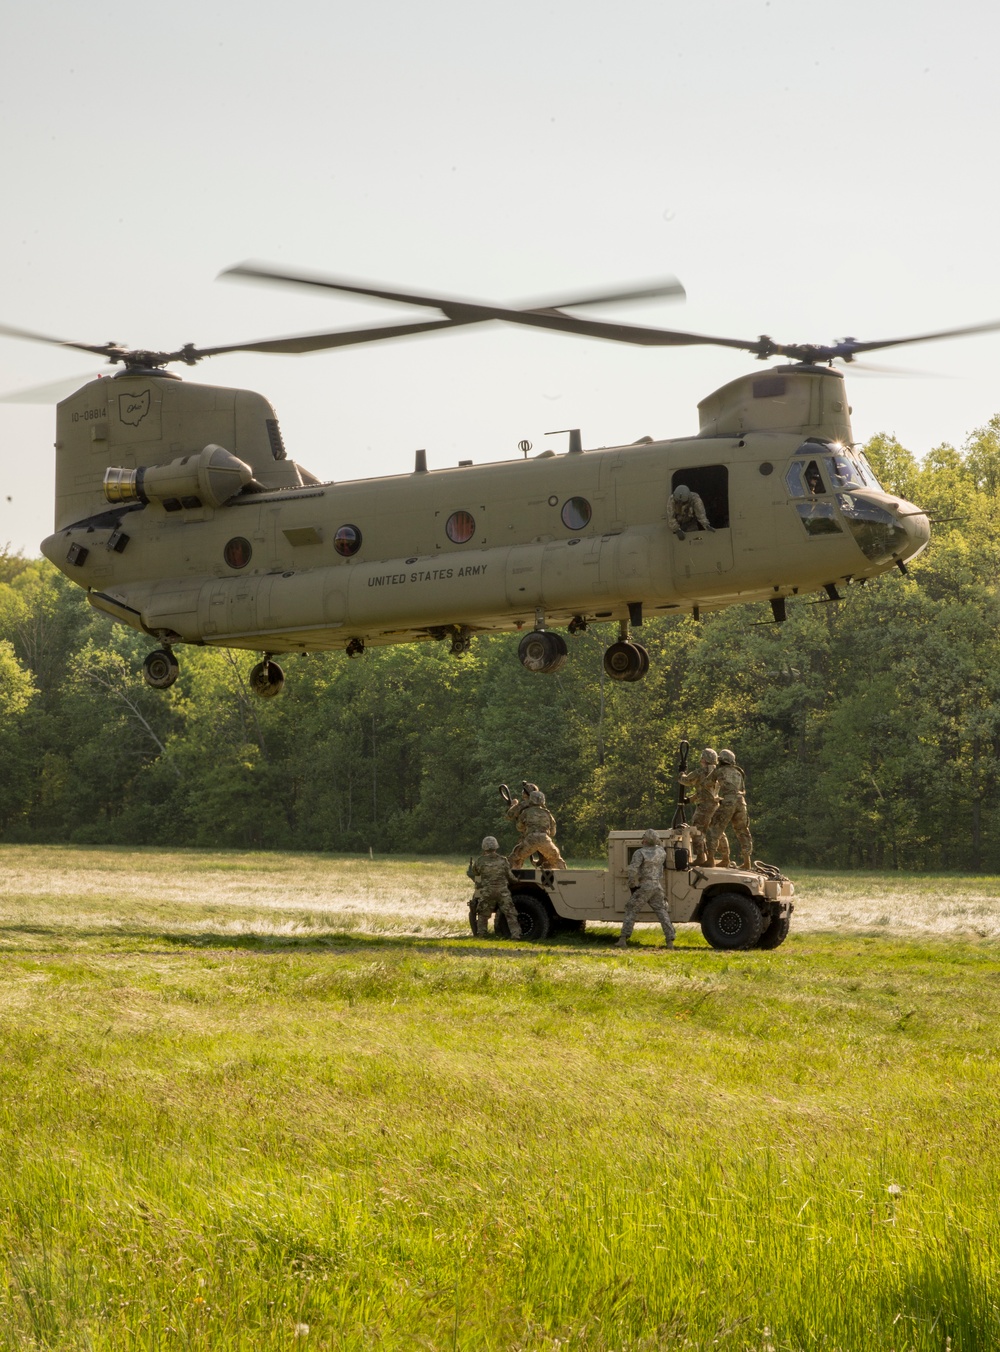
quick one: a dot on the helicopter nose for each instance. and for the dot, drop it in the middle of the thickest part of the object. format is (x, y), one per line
(918, 529)
(886, 530)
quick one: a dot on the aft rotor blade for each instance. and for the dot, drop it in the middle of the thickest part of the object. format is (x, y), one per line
(101, 349)
(51, 393)
(316, 342)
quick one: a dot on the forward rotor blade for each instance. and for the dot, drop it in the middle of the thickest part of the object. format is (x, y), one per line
(316, 342)
(992, 327)
(667, 289)
(454, 306)
(473, 312)
(876, 369)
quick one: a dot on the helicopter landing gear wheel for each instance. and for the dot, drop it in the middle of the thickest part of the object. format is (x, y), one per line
(266, 679)
(542, 651)
(461, 641)
(625, 661)
(160, 669)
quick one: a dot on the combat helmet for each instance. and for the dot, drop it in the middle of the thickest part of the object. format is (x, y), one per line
(682, 492)
(650, 837)
(710, 756)
(727, 757)
(490, 843)
(537, 799)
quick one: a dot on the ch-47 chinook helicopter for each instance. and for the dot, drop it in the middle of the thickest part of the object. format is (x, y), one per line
(179, 513)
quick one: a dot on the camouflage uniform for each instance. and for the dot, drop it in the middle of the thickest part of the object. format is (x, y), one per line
(519, 806)
(732, 810)
(645, 880)
(539, 828)
(706, 800)
(684, 509)
(492, 876)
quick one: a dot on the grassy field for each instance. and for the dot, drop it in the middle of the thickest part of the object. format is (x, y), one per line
(271, 1101)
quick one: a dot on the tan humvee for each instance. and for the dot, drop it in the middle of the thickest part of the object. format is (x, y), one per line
(736, 908)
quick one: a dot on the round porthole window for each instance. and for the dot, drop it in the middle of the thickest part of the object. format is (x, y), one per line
(237, 552)
(461, 527)
(347, 541)
(576, 513)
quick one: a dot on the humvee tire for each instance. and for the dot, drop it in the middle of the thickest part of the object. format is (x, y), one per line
(532, 916)
(563, 924)
(775, 932)
(732, 920)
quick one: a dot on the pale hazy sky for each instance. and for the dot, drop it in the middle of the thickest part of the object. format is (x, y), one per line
(807, 171)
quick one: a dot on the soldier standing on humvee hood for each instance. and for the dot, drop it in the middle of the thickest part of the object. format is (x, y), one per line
(539, 828)
(706, 798)
(645, 881)
(519, 806)
(730, 781)
(492, 876)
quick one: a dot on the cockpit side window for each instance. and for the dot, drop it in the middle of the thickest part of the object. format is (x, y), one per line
(804, 479)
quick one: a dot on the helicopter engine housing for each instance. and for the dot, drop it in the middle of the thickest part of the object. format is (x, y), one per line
(208, 479)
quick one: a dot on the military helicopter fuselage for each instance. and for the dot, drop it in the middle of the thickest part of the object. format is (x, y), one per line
(179, 513)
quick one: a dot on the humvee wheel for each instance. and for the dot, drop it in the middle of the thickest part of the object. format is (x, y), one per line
(160, 669)
(565, 925)
(542, 651)
(775, 932)
(266, 679)
(732, 920)
(531, 916)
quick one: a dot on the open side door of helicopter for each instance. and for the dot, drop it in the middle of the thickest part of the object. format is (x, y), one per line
(702, 554)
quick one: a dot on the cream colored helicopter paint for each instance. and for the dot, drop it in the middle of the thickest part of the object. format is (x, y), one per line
(408, 580)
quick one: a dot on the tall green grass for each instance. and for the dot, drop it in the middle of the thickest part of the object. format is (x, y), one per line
(394, 1143)
(487, 1152)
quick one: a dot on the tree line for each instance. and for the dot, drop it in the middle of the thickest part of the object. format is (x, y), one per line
(869, 729)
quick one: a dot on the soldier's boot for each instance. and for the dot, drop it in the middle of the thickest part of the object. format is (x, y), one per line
(515, 933)
(622, 942)
(746, 862)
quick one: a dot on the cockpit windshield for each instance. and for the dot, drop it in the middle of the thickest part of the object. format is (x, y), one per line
(869, 473)
(844, 472)
(850, 469)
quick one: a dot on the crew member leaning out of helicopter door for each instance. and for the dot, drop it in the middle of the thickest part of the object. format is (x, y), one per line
(685, 510)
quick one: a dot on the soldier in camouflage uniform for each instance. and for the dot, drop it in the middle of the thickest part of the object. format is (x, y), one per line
(685, 510)
(492, 876)
(730, 781)
(706, 799)
(539, 828)
(519, 806)
(645, 881)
